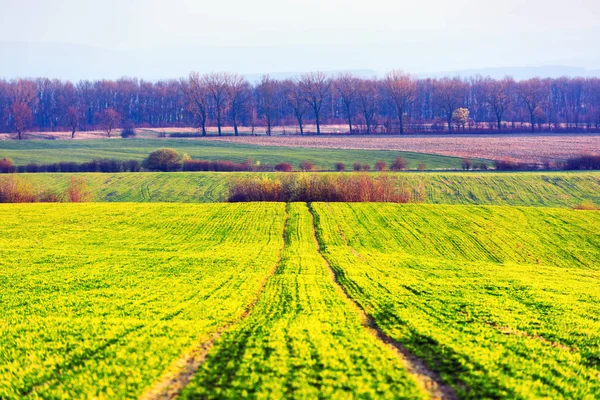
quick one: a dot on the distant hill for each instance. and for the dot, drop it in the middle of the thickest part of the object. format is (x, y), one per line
(76, 62)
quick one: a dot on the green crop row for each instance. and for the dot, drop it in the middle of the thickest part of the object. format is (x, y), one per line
(303, 339)
(502, 302)
(554, 189)
(98, 300)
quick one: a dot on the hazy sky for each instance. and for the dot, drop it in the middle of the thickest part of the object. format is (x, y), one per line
(417, 35)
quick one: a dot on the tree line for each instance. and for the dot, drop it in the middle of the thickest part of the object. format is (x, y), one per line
(395, 103)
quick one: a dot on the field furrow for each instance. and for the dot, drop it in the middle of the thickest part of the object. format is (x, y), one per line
(501, 302)
(303, 339)
(98, 300)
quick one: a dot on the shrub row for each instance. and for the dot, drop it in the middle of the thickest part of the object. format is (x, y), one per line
(16, 190)
(314, 187)
(204, 165)
(104, 165)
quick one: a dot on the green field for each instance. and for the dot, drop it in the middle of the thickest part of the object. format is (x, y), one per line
(113, 300)
(554, 189)
(51, 151)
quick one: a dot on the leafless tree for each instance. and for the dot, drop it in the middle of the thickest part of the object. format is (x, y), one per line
(400, 88)
(498, 98)
(239, 93)
(315, 87)
(216, 84)
(368, 101)
(449, 94)
(196, 94)
(531, 92)
(109, 120)
(267, 100)
(73, 119)
(296, 100)
(346, 87)
(22, 117)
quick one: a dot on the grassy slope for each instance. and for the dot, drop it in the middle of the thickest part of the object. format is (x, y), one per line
(303, 339)
(97, 300)
(48, 151)
(522, 188)
(502, 301)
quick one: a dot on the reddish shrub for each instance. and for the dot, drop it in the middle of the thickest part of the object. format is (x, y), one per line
(78, 190)
(466, 164)
(399, 164)
(340, 167)
(307, 166)
(283, 167)
(318, 187)
(356, 166)
(380, 166)
(16, 190)
(365, 167)
(7, 166)
(422, 167)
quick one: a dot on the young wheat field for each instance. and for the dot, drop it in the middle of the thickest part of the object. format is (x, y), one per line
(320, 300)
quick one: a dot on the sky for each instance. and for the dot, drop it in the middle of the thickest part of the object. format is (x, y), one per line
(159, 39)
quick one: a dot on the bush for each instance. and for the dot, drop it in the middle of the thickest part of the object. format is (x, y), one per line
(165, 160)
(380, 166)
(283, 167)
(582, 162)
(466, 164)
(307, 166)
(422, 167)
(399, 164)
(223, 166)
(365, 167)
(506, 165)
(482, 166)
(16, 190)
(78, 190)
(128, 131)
(356, 166)
(340, 167)
(315, 187)
(7, 166)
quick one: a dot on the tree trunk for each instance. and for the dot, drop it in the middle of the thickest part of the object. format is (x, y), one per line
(450, 123)
(499, 118)
(73, 134)
(401, 123)
(532, 123)
(318, 124)
(19, 133)
(301, 127)
(350, 125)
(204, 127)
(235, 126)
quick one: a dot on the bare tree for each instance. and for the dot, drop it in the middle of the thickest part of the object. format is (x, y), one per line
(24, 97)
(196, 94)
(72, 118)
(498, 98)
(315, 87)
(266, 92)
(22, 117)
(296, 100)
(238, 92)
(400, 88)
(109, 119)
(368, 101)
(532, 92)
(346, 87)
(449, 94)
(216, 84)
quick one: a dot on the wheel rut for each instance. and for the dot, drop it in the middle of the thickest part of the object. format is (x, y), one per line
(429, 381)
(179, 374)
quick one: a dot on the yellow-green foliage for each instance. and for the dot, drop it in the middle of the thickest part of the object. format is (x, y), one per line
(502, 301)
(303, 339)
(99, 299)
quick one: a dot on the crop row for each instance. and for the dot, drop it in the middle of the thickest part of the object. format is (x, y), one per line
(502, 302)
(555, 189)
(99, 300)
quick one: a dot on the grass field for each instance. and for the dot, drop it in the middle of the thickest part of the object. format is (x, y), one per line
(50, 151)
(120, 300)
(554, 189)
